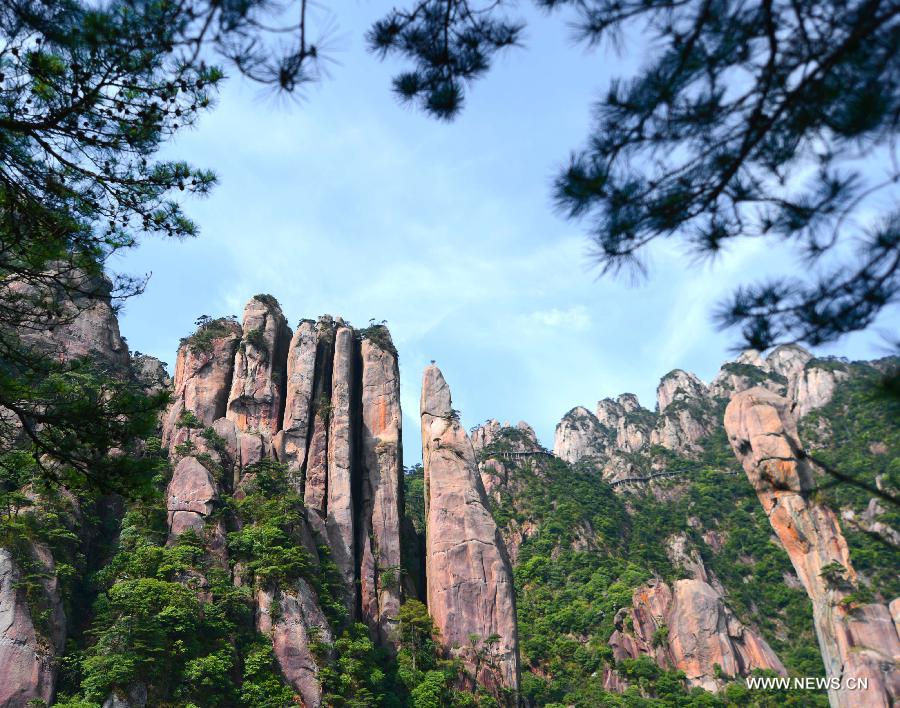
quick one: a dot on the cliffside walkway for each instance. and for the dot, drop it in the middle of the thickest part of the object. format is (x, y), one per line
(514, 455)
(659, 475)
(628, 481)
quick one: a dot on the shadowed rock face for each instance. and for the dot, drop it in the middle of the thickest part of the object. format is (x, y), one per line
(701, 633)
(341, 448)
(85, 324)
(469, 579)
(381, 490)
(315, 494)
(856, 641)
(27, 662)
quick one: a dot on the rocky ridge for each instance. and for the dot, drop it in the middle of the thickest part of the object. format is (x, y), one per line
(624, 439)
(325, 402)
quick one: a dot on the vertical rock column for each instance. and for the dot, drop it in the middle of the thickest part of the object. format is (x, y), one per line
(380, 488)
(469, 578)
(291, 442)
(203, 372)
(341, 436)
(315, 494)
(858, 642)
(255, 402)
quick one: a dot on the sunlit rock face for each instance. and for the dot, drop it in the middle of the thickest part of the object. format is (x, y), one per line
(858, 642)
(325, 401)
(469, 577)
(688, 627)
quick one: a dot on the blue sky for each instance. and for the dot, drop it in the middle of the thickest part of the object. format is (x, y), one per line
(349, 204)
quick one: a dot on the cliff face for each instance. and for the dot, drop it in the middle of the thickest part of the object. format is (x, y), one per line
(327, 405)
(857, 640)
(381, 489)
(499, 512)
(688, 627)
(27, 659)
(687, 412)
(470, 587)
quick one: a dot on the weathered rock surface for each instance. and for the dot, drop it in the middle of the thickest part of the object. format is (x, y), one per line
(688, 559)
(484, 434)
(855, 641)
(135, 698)
(257, 394)
(381, 488)
(151, 373)
(869, 522)
(580, 435)
(291, 442)
(341, 449)
(191, 496)
(747, 371)
(688, 627)
(470, 589)
(203, 373)
(814, 388)
(315, 494)
(85, 324)
(679, 385)
(680, 429)
(298, 623)
(27, 660)
(789, 360)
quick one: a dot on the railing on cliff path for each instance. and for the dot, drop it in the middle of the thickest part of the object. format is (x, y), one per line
(660, 475)
(646, 479)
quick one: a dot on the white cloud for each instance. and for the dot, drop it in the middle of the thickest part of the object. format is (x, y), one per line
(576, 317)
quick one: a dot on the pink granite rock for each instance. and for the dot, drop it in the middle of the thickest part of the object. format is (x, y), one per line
(855, 641)
(256, 399)
(469, 578)
(381, 490)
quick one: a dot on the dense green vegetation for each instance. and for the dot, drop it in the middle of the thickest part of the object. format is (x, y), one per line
(857, 435)
(166, 615)
(592, 548)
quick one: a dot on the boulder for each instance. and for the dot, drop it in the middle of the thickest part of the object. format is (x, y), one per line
(191, 496)
(469, 577)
